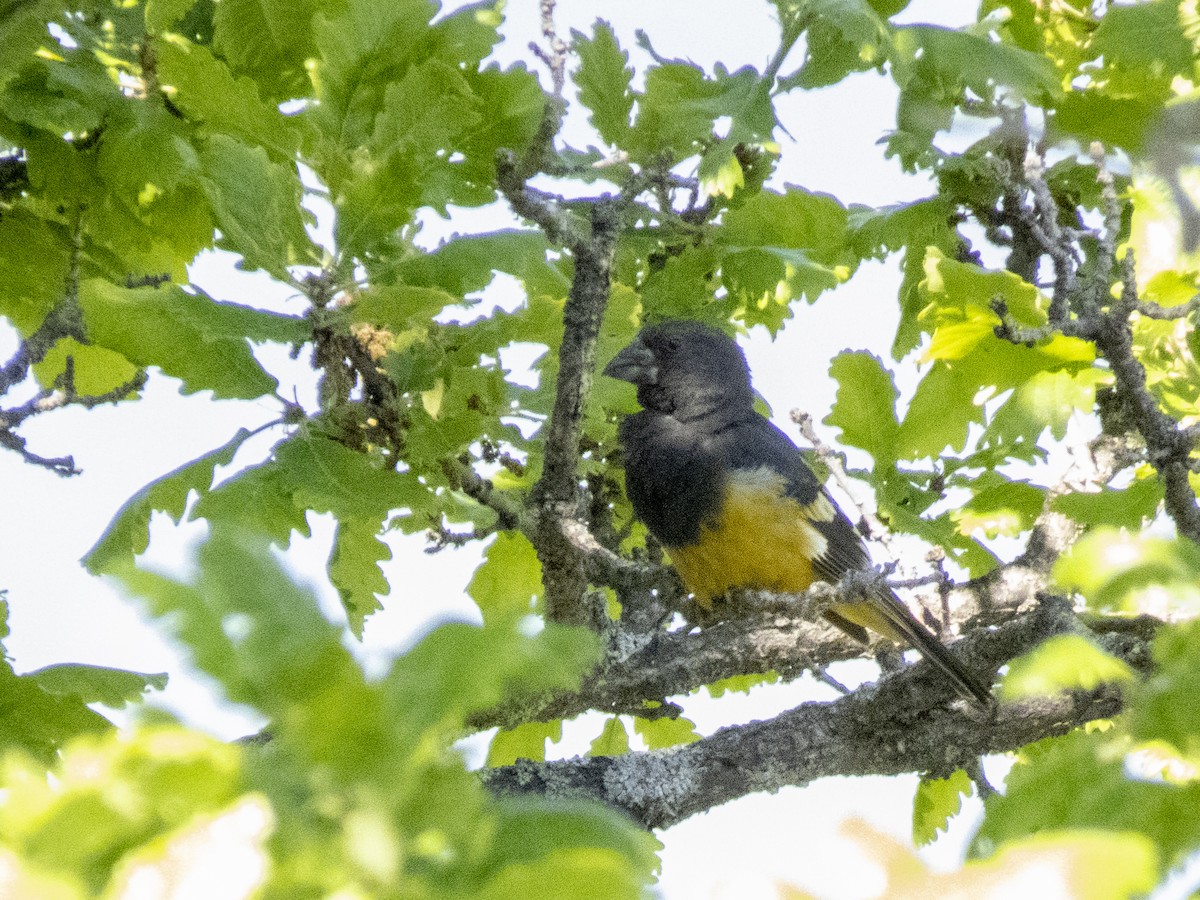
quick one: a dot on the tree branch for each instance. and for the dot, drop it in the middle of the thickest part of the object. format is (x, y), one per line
(1083, 310)
(885, 729)
(556, 496)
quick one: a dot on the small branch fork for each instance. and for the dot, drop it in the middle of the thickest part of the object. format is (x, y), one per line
(64, 320)
(1081, 306)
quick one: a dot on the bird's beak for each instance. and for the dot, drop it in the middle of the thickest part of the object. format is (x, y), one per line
(635, 364)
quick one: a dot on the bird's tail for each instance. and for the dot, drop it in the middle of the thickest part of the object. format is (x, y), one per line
(905, 627)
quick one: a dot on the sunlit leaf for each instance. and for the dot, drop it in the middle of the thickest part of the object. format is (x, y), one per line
(938, 800)
(1063, 662)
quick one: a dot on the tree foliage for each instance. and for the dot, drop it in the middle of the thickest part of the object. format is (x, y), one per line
(1047, 304)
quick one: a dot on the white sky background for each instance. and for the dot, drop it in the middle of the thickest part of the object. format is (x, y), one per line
(744, 849)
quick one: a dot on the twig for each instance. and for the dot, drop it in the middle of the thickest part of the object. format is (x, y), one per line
(463, 477)
(62, 321)
(536, 206)
(556, 58)
(62, 465)
(804, 422)
(1152, 310)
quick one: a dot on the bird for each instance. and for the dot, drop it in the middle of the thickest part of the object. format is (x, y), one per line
(730, 497)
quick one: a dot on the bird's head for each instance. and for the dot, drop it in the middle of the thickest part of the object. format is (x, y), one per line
(685, 369)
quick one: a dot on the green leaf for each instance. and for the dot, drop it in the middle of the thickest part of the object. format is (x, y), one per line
(1079, 781)
(1147, 38)
(259, 500)
(780, 247)
(24, 879)
(938, 800)
(972, 61)
(1063, 662)
(426, 111)
(459, 669)
(959, 292)
(325, 476)
(679, 107)
(720, 172)
(940, 412)
(354, 569)
(585, 873)
(361, 46)
(1047, 400)
(114, 688)
(527, 741)
(1128, 508)
(865, 408)
(165, 158)
(740, 684)
(613, 739)
(257, 206)
(22, 33)
(1131, 572)
(97, 370)
(683, 287)
(529, 825)
(432, 108)
(971, 363)
(192, 338)
(263, 637)
(797, 219)
(399, 307)
(71, 823)
(162, 14)
(875, 232)
(201, 85)
(39, 722)
(35, 258)
(509, 580)
(663, 732)
(61, 99)
(511, 108)
(842, 36)
(1092, 115)
(999, 506)
(937, 69)
(603, 79)
(1096, 865)
(466, 265)
(128, 534)
(903, 502)
(268, 40)
(1162, 708)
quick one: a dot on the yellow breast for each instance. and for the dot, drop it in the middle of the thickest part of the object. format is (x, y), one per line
(760, 539)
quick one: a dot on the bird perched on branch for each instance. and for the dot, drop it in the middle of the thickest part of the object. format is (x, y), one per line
(730, 496)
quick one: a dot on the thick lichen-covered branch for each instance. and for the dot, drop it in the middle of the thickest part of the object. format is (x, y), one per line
(886, 729)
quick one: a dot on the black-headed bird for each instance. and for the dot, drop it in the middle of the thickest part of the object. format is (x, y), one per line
(730, 497)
